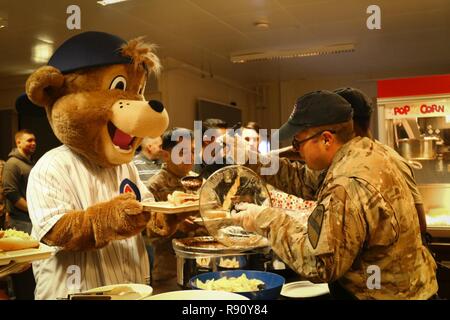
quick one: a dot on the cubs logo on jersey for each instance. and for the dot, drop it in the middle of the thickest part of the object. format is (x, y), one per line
(127, 186)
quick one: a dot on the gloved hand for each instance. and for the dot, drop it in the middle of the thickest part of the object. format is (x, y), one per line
(247, 215)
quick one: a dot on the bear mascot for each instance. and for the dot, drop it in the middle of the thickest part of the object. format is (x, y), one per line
(85, 196)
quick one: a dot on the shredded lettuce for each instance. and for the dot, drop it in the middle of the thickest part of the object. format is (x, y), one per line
(12, 233)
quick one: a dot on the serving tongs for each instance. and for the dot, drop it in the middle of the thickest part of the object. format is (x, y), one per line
(101, 294)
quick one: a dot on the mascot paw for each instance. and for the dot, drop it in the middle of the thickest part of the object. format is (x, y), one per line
(127, 204)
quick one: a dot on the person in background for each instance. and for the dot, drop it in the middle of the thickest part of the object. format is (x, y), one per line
(15, 180)
(148, 161)
(178, 163)
(250, 133)
(363, 217)
(211, 129)
(362, 112)
(3, 213)
(175, 166)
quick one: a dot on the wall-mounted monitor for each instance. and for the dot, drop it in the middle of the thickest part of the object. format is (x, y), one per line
(207, 109)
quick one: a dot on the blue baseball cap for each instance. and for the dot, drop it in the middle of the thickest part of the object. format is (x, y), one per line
(87, 50)
(316, 109)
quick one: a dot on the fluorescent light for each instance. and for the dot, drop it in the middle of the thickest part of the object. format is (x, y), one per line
(108, 2)
(3, 23)
(42, 52)
(274, 55)
(45, 39)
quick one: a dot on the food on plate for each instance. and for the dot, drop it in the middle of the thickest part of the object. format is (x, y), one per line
(227, 202)
(232, 284)
(192, 182)
(229, 263)
(203, 261)
(11, 239)
(179, 197)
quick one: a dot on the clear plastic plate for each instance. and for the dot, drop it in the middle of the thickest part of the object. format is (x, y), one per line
(218, 196)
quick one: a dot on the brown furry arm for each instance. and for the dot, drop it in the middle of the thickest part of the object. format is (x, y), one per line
(94, 228)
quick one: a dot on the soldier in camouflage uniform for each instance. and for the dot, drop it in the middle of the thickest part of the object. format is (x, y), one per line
(170, 226)
(296, 178)
(362, 112)
(363, 235)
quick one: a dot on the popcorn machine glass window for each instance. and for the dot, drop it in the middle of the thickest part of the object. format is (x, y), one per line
(418, 128)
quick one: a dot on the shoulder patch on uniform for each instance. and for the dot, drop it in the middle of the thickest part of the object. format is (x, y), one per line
(315, 222)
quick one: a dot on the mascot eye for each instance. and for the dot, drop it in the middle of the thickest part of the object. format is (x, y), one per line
(119, 83)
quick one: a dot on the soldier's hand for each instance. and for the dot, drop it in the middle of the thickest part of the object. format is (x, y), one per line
(247, 215)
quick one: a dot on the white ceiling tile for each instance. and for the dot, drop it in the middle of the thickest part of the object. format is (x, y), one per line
(414, 35)
(222, 8)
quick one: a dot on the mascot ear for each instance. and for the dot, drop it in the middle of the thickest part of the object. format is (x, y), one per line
(43, 85)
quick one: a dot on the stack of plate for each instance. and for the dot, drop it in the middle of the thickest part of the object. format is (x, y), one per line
(304, 290)
(197, 295)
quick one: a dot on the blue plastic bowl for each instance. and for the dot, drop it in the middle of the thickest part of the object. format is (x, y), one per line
(273, 282)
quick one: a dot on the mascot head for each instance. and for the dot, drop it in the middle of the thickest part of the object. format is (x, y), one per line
(92, 91)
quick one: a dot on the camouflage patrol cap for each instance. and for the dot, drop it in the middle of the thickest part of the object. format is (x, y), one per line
(316, 109)
(362, 105)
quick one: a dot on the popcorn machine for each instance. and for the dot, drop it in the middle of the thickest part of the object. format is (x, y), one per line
(414, 119)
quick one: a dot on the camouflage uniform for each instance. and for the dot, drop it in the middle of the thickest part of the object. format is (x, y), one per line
(406, 170)
(161, 185)
(297, 179)
(293, 177)
(164, 183)
(365, 217)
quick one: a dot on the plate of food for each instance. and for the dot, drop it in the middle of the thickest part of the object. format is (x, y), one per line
(177, 202)
(19, 247)
(128, 291)
(258, 285)
(304, 289)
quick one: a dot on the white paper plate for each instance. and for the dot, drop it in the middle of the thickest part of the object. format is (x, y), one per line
(197, 295)
(26, 255)
(139, 291)
(304, 289)
(169, 208)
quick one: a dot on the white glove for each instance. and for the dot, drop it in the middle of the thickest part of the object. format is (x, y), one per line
(247, 215)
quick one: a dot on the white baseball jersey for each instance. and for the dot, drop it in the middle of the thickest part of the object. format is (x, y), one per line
(63, 181)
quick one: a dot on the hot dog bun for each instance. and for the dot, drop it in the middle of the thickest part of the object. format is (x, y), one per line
(179, 197)
(11, 239)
